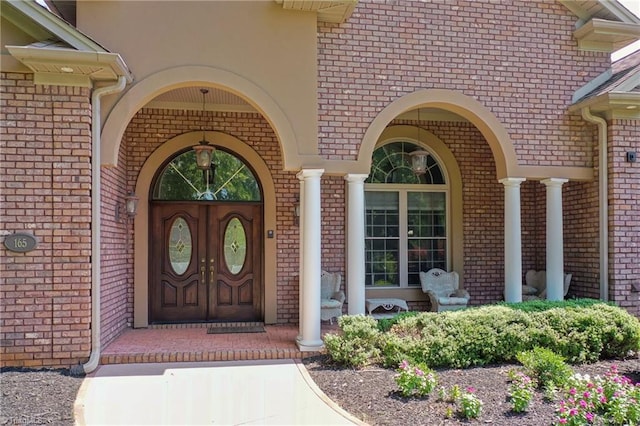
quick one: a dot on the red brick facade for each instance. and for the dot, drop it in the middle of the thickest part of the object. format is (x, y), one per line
(45, 189)
(524, 74)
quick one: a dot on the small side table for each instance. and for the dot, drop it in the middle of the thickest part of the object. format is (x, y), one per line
(388, 304)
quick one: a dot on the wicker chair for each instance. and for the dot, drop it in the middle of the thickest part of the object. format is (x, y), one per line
(331, 297)
(536, 285)
(443, 290)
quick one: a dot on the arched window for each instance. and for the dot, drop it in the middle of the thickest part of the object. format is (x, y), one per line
(406, 218)
(229, 179)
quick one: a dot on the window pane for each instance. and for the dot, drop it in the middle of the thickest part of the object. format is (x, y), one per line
(382, 238)
(229, 180)
(391, 163)
(426, 242)
(382, 214)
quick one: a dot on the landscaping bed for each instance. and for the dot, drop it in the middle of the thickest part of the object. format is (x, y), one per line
(371, 394)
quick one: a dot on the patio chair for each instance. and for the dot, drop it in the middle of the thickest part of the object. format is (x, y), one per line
(443, 290)
(535, 287)
(331, 297)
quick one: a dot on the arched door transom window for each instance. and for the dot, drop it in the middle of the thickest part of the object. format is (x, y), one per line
(229, 179)
(406, 218)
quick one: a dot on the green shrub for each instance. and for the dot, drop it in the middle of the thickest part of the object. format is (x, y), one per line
(385, 324)
(357, 345)
(548, 368)
(545, 305)
(583, 331)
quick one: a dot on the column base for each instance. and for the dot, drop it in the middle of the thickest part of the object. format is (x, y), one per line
(309, 345)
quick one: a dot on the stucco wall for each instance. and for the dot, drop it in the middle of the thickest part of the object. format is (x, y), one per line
(258, 41)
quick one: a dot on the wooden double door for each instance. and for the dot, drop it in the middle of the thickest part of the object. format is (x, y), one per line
(205, 262)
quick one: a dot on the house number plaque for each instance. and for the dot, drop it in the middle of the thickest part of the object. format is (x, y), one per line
(20, 242)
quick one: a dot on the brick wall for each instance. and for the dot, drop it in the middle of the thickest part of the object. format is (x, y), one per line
(150, 128)
(624, 215)
(116, 237)
(45, 151)
(481, 49)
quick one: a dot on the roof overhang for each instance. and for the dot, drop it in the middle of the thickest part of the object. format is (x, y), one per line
(70, 67)
(40, 23)
(612, 105)
(333, 11)
(606, 36)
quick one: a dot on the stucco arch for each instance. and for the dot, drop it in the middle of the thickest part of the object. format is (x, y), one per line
(150, 87)
(501, 146)
(141, 224)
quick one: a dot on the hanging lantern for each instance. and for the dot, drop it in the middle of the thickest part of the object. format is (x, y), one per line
(204, 151)
(419, 161)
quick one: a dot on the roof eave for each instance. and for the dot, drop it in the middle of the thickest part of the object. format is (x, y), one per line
(332, 11)
(55, 25)
(71, 67)
(606, 36)
(612, 105)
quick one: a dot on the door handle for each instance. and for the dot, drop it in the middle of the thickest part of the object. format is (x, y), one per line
(212, 269)
(203, 269)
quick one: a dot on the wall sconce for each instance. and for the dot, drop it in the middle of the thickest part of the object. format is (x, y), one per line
(296, 211)
(128, 209)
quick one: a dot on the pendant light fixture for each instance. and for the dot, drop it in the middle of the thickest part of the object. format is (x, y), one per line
(204, 151)
(419, 157)
(204, 156)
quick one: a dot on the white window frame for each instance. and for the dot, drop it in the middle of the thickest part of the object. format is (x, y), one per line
(403, 190)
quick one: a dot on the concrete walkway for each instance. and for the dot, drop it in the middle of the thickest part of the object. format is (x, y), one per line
(270, 392)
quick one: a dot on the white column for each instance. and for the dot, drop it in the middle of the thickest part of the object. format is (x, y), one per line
(555, 250)
(355, 243)
(310, 244)
(512, 240)
(300, 259)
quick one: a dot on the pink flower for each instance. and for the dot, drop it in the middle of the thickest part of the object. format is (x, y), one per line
(587, 395)
(589, 416)
(563, 421)
(419, 372)
(573, 412)
(603, 399)
(572, 391)
(583, 403)
(471, 389)
(404, 364)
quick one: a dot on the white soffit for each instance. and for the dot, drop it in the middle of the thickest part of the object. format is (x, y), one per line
(606, 36)
(334, 11)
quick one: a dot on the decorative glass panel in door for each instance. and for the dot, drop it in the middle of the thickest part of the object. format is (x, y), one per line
(180, 246)
(235, 246)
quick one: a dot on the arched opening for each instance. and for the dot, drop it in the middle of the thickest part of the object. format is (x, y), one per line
(243, 160)
(205, 241)
(406, 217)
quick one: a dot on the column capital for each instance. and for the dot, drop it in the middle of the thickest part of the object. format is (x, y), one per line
(355, 177)
(512, 181)
(309, 173)
(554, 181)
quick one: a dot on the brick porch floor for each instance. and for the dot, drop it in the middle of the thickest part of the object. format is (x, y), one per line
(190, 342)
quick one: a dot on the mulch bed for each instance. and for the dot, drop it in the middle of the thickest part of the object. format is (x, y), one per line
(47, 396)
(371, 394)
(37, 397)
